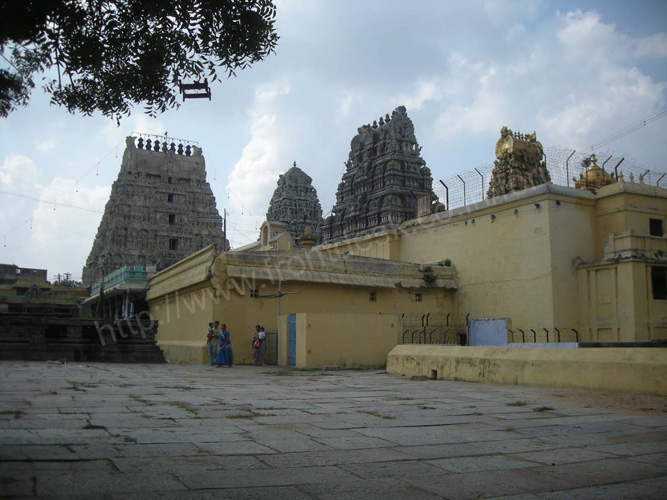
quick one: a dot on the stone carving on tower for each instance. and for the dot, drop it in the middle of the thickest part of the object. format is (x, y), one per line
(385, 174)
(519, 163)
(161, 209)
(295, 202)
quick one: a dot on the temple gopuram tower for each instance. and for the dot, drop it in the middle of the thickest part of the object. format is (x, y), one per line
(295, 202)
(161, 209)
(519, 163)
(594, 177)
(385, 176)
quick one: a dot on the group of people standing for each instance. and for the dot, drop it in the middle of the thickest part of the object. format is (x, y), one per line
(258, 347)
(219, 345)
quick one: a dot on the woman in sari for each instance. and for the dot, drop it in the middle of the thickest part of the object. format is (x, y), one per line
(225, 354)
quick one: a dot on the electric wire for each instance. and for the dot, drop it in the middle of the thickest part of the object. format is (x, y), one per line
(629, 130)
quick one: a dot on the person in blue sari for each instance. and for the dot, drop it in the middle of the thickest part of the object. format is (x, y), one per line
(225, 354)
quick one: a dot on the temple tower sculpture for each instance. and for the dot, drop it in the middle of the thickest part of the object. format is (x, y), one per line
(384, 176)
(519, 163)
(295, 202)
(593, 177)
(161, 209)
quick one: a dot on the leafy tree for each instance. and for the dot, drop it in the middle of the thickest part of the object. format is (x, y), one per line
(112, 54)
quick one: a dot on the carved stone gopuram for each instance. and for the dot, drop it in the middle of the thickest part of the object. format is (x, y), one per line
(385, 175)
(519, 163)
(295, 202)
(161, 209)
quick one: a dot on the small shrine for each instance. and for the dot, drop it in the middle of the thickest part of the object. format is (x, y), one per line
(519, 163)
(593, 177)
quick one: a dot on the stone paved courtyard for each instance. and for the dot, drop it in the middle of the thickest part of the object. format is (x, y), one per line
(154, 431)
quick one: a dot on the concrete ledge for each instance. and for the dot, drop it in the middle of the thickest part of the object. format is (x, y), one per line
(641, 370)
(185, 353)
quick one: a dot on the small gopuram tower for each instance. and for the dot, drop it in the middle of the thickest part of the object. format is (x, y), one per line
(593, 177)
(161, 209)
(519, 163)
(295, 203)
(384, 177)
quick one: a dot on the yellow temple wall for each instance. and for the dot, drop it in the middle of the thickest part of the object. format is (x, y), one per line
(619, 304)
(532, 257)
(624, 207)
(184, 315)
(571, 234)
(519, 264)
(382, 245)
(525, 263)
(345, 340)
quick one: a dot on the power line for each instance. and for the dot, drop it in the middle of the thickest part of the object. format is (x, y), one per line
(62, 192)
(54, 202)
(629, 130)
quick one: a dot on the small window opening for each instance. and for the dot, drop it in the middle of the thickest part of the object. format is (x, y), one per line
(659, 283)
(173, 243)
(418, 297)
(434, 374)
(254, 293)
(655, 227)
(169, 180)
(172, 219)
(170, 198)
(373, 296)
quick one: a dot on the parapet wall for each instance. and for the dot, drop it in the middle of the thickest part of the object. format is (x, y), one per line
(638, 370)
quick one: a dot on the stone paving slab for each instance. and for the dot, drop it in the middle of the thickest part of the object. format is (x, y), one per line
(179, 432)
(623, 491)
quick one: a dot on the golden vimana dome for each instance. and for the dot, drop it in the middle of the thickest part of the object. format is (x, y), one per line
(593, 177)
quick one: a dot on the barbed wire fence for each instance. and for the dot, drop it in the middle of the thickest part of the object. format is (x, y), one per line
(563, 165)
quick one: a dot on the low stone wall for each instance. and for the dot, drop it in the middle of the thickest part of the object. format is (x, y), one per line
(185, 353)
(641, 370)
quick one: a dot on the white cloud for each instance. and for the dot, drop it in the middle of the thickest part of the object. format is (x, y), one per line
(66, 222)
(59, 219)
(575, 80)
(18, 173)
(346, 105)
(425, 91)
(113, 135)
(268, 93)
(253, 178)
(46, 146)
(652, 46)
(476, 102)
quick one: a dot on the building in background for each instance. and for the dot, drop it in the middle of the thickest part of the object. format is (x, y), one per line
(583, 264)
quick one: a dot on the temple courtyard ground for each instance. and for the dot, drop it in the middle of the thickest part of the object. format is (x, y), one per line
(168, 431)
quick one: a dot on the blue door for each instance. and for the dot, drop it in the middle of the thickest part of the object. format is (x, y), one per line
(292, 339)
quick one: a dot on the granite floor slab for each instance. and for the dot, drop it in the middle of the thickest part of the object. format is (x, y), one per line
(169, 431)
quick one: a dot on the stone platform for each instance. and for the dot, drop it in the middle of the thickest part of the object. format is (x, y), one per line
(91, 431)
(630, 369)
(42, 338)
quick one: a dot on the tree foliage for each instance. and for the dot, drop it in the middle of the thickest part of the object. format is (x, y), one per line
(109, 55)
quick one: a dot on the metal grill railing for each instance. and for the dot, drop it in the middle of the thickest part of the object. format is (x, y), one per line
(542, 335)
(563, 165)
(432, 328)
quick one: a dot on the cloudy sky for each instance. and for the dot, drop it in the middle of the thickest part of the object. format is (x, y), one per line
(576, 72)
